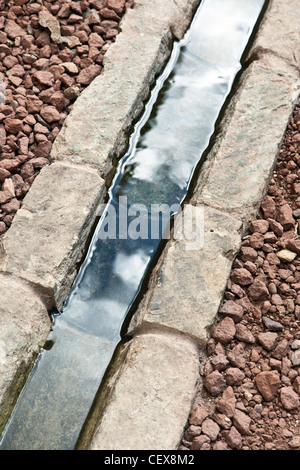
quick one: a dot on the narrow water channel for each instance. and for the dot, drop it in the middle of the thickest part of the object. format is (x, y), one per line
(166, 146)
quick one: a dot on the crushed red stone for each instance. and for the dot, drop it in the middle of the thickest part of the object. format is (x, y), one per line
(249, 398)
(49, 52)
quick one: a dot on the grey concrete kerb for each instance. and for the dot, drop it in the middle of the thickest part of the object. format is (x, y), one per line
(156, 383)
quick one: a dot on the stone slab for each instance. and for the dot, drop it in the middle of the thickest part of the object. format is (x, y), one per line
(115, 99)
(279, 32)
(151, 397)
(49, 232)
(238, 166)
(186, 288)
(24, 327)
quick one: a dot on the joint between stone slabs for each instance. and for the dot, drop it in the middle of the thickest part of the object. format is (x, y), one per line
(190, 282)
(279, 32)
(248, 140)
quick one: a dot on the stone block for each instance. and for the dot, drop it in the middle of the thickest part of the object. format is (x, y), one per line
(236, 172)
(187, 286)
(49, 233)
(24, 327)
(279, 32)
(152, 396)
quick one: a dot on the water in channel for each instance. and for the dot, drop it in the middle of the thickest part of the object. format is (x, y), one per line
(165, 148)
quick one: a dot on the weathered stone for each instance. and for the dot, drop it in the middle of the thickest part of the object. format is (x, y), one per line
(278, 32)
(224, 331)
(268, 207)
(234, 438)
(150, 385)
(285, 216)
(286, 256)
(215, 383)
(268, 383)
(267, 340)
(226, 404)
(191, 282)
(289, 398)
(24, 327)
(244, 334)
(242, 422)
(272, 325)
(245, 149)
(197, 416)
(242, 277)
(52, 216)
(233, 310)
(210, 428)
(258, 290)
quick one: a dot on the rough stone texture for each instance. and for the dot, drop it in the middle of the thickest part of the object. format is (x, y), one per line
(24, 327)
(52, 225)
(150, 385)
(279, 32)
(245, 149)
(115, 98)
(186, 289)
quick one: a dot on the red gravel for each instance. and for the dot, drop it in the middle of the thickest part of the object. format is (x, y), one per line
(49, 52)
(250, 395)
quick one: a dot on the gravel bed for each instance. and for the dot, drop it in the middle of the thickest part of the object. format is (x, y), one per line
(250, 393)
(49, 52)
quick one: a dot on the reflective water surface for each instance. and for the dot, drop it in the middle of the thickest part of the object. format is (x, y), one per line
(166, 146)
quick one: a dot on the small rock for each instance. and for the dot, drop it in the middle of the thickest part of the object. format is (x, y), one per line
(226, 404)
(242, 422)
(286, 256)
(50, 114)
(258, 290)
(13, 126)
(44, 78)
(281, 349)
(199, 442)
(260, 225)
(88, 74)
(295, 442)
(71, 93)
(242, 277)
(234, 438)
(289, 398)
(271, 324)
(244, 334)
(50, 22)
(293, 245)
(224, 331)
(13, 30)
(215, 383)
(296, 358)
(210, 428)
(233, 310)
(248, 254)
(268, 207)
(267, 340)
(268, 383)
(8, 186)
(285, 216)
(70, 67)
(197, 416)
(234, 376)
